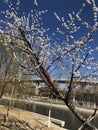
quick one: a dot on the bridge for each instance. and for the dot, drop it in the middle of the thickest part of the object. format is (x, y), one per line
(63, 81)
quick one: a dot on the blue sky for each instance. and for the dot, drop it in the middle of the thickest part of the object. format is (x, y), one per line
(62, 7)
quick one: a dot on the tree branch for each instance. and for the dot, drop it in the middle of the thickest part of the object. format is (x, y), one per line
(89, 119)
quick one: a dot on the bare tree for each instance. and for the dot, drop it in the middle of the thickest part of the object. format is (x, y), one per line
(6, 68)
(72, 57)
(9, 68)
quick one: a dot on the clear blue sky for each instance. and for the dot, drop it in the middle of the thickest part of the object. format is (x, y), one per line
(62, 7)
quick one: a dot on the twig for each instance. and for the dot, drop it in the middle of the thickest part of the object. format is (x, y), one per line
(89, 119)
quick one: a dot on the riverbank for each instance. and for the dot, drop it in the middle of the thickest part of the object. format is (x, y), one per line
(58, 110)
(35, 121)
(54, 104)
(60, 106)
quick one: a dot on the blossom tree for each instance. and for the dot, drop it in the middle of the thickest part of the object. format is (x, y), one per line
(71, 59)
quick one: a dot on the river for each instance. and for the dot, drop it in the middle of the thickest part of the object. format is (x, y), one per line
(71, 122)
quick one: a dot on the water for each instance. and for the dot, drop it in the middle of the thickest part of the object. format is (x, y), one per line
(71, 122)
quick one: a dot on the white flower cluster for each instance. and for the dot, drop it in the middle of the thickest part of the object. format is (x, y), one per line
(67, 56)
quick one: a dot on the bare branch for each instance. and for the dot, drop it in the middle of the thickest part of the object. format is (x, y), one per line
(88, 120)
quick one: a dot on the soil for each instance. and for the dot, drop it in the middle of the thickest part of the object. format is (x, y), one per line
(23, 120)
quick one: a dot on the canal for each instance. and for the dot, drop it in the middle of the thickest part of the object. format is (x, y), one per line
(71, 122)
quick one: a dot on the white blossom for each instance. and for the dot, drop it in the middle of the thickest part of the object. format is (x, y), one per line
(88, 1)
(65, 53)
(89, 68)
(57, 16)
(35, 2)
(77, 74)
(96, 48)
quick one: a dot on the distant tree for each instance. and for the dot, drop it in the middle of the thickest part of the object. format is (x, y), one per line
(71, 59)
(10, 71)
(7, 68)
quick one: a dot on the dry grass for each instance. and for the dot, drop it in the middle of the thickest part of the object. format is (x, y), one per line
(24, 120)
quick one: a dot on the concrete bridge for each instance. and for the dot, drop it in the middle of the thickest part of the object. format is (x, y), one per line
(63, 81)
